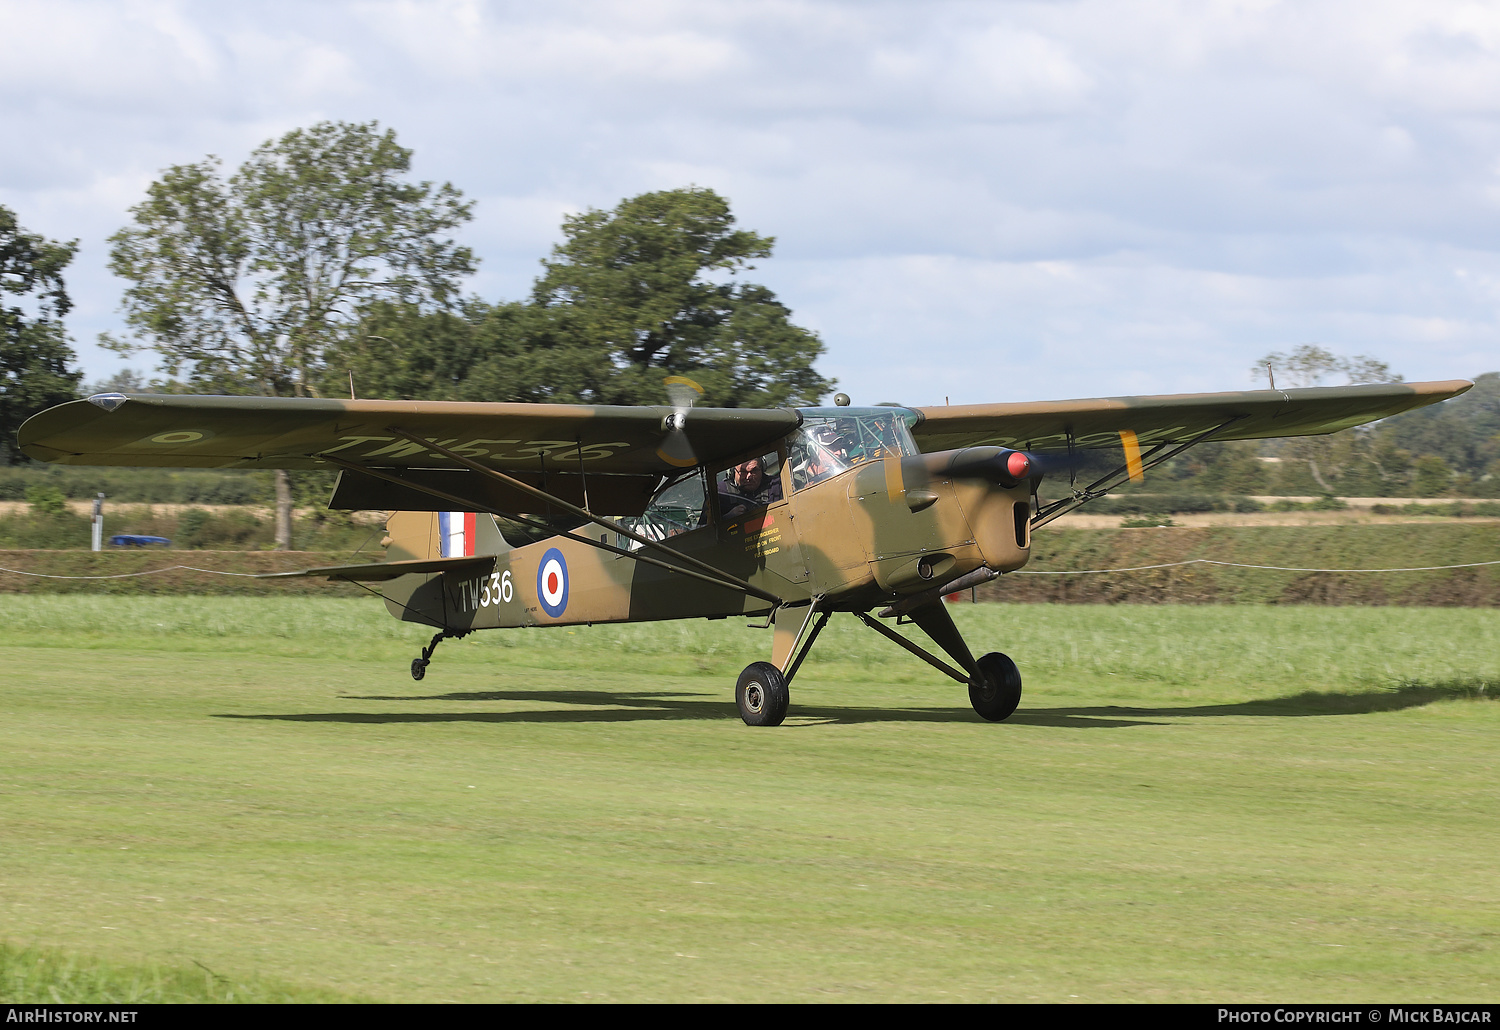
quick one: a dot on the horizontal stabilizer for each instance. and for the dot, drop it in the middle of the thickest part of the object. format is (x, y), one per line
(375, 572)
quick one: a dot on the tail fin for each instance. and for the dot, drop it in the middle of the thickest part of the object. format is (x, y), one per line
(441, 534)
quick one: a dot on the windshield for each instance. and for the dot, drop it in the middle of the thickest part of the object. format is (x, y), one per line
(824, 447)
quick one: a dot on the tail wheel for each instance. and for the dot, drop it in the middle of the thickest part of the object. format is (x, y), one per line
(995, 687)
(762, 695)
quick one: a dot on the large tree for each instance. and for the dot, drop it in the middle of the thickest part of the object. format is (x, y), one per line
(649, 290)
(34, 351)
(633, 295)
(242, 283)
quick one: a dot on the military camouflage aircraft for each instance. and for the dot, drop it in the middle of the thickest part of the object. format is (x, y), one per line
(509, 515)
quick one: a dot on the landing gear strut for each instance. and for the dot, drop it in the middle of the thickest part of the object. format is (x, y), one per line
(993, 680)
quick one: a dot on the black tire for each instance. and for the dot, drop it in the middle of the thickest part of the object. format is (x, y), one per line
(418, 668)
(995, 687)
(762, 695)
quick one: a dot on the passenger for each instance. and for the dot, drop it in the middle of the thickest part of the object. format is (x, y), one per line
(820, 465)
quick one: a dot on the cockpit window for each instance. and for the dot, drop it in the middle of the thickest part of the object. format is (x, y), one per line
(824, 447)
(677, 508)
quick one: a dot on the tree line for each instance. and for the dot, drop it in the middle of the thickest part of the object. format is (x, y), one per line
(1449, 449)
(317, 268)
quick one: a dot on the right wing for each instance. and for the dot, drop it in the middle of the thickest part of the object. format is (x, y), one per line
(1173, 418)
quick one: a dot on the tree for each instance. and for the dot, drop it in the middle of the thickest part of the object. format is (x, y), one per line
(477, 352)
(1456, 431)
(34, 351)
(1327, 458)
(1431, 477)
(630, 297)
(647, 290)
(241, 284)
(1309, 365)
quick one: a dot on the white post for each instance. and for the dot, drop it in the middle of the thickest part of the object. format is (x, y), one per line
(99, 522)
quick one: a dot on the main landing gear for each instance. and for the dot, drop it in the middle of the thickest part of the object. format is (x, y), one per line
(762, 695)
(995, 687)
(763, 692)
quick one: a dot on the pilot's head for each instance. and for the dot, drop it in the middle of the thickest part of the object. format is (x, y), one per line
(749, 475)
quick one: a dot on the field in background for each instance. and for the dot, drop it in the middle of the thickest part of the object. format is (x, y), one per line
(1056, 548)
(1450, 542)
(1193, 803)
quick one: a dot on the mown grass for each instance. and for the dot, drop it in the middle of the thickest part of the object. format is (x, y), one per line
(1193, 803)
(41, 975)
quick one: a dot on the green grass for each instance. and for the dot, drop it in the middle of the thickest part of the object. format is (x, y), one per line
(1193, 804)
(41, 975)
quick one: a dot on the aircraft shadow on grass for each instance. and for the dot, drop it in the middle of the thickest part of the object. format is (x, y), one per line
(593, 706)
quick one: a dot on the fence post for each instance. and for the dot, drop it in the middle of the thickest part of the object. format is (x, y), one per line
(98, 522)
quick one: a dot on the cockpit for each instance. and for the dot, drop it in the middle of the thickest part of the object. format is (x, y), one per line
(829, 441)
(825, 445)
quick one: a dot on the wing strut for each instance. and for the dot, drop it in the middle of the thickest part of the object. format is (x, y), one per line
(583, 513)
(1131, 469)
(719, 579)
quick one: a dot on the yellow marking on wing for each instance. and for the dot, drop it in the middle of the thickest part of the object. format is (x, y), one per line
(1132, 446)
(893, 485)
(682, 463)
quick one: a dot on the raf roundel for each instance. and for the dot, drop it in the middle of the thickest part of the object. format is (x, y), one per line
(552, 583)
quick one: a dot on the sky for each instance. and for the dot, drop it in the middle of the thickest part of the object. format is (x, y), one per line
(984, 201)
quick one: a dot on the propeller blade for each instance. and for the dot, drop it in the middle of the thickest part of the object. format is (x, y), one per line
(676, 449)
(682, 392)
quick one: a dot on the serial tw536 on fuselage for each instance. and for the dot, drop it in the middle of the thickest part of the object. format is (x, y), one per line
(510, 515)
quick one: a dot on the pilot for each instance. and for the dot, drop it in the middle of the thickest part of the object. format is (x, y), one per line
(748, 488)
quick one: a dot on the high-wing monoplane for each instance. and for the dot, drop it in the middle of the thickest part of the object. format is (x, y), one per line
(511, 515)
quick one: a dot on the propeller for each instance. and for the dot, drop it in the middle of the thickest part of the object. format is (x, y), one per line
(1004, 467)
(999, 465)
(675, 449)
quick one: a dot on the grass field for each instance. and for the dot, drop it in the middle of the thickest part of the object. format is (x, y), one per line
(1193, 804)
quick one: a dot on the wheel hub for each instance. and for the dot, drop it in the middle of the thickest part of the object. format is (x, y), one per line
(754, 697)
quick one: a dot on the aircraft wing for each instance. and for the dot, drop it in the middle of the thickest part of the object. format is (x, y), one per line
(1174, 418)
(179, 431)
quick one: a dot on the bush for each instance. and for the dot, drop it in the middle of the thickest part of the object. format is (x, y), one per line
(141, 485)
(1146, 522)
(1153, 504)
(46, 501)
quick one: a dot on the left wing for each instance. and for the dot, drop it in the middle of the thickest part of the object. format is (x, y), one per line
(1172, 419)
(180, 431)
